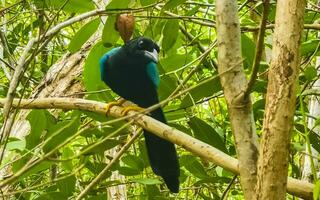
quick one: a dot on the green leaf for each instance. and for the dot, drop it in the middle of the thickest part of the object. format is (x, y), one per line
(45, 165)
(146, 181)
(91, 73)
(248, 50)
(174, 61)
(166, 87)
(109, 35)
(60, 132)
(16, 144)
(193, 166)
(133, 161)
(66, 154)
(314, 140)
(116, 4)
(37, 120)
(206, 133)
(309, 47)
(147, 2)
(67, 185)
(170, 34)
(73, 6)
(83, 35)
(310, 73)
(202, 91)
(153, 193)
(128, 171)
(108, 144)
(173, 3)
(98, 197)
(96, 168)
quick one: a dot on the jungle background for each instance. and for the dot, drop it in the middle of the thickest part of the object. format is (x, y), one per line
(56, 46)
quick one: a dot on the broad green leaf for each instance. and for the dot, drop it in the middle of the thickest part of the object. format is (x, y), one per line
(73, 6)
(206, 133)
(98, 197)
(181, 128)
(108, 144)
(67, 185)
(116, 4)
(91, 73)
(170, 34)
(66, 154)
(51, 195)
(202, 91)
(258, 109)
(146, 181)
(166, 87)
(248, 50)
(128, 171)
(193, 166)
(133, 161)
(314, 140)
(83, 35)
(153, 193)
(260, 86)
(95, 168)
(174, 61)
(45, 165)
(173, 3)
(309, 47)
(147, 2)
(310, 73)
(37, 120)
(109, 35)
(60, 132)
(175, 114)
(16, 144)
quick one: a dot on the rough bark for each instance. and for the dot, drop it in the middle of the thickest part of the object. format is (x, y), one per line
(234, 84)
(280, 102)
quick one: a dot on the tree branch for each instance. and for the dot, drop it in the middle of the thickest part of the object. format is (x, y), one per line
(295, 187)
(259, 49)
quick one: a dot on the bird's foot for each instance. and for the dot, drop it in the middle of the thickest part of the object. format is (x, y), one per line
(108, 106)
(131, 108)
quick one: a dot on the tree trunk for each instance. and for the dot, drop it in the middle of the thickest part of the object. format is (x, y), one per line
(280, 102)
(234, 84)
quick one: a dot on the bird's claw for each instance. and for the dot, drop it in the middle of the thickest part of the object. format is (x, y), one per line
(108, 106)
(131, 108)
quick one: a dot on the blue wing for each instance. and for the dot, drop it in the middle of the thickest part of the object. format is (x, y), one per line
(103, 61)
(153, 73)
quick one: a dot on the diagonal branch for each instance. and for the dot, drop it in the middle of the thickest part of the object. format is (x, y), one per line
(295, 187)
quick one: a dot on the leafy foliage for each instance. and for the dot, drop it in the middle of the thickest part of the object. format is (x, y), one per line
(76, 146)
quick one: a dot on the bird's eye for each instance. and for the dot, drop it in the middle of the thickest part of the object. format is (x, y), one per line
(141, 44)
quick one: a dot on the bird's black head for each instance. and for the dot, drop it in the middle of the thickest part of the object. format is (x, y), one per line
(143, 47)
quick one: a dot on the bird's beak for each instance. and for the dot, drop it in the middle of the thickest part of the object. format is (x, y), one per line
(152, 55)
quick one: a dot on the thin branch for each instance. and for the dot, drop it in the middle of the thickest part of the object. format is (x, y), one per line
(226, 191)
(100, 176)
(295, 187)
(259, 49)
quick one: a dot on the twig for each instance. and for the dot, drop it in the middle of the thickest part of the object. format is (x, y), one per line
(100, 176)
(204, 56)
(225, 192)
(296, 187)
(259, 49)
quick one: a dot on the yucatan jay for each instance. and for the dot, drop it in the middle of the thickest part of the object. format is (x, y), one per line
(131, 72)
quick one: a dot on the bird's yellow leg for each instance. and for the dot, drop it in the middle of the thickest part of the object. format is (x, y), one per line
(131, 108)
(108, 106)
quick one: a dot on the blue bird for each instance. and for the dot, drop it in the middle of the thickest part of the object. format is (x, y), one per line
(131, 72)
